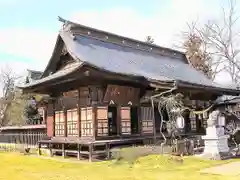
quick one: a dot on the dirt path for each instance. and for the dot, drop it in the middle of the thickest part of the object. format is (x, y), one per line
(232, 168)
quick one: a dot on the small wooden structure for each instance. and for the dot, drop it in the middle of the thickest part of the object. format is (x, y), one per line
(101, 85)
(26, 136)
(232, 127)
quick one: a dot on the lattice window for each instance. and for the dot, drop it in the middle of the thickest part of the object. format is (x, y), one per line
(205, 118)
(147, 119)
(237, 113)
(125, 120)
(72, 122)
(41, 112)
(59, 123)
(193, 121)
(86, 122)
(102, 121)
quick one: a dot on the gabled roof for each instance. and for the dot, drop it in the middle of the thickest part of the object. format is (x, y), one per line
(34, 75)
(125, 56)
(130, 61)
(58, 74)
(227, 100)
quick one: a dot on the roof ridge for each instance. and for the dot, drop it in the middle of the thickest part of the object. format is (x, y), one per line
(69, 26)
(125, 45)
(36, 71)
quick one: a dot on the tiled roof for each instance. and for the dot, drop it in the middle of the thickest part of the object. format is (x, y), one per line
(126, 60)
(34, 75)
(53, 76)
(228, 100)
(130, 61)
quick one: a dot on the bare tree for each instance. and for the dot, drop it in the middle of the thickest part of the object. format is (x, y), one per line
(196, 51)
(7, 80)
(220, 39)
(223, 39)
(149, 40)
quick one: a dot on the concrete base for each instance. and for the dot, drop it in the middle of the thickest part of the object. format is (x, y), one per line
(216, 144)
(216, 156)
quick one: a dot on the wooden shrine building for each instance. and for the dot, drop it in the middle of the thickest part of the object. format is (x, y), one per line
(99, 83)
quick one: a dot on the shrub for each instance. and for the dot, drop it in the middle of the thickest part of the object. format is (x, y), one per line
(131, 154)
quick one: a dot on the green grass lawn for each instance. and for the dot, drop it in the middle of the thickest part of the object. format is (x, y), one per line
(14, 166)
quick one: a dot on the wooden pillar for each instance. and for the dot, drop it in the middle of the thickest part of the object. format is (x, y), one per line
(154, 123)
(119, 127)
(79, 149)
(90, 152)
(94, 119)
(50, 149)
(198, 122)
(63, 151)
(78, 121)
(65, 121)
(39, 149)
(79, 114)
(108, 150)
(139, 121)
(54, 109)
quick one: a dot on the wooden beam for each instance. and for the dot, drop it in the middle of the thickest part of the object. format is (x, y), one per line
(94, 111)
(54, 117)
(79, 114)
(79, 149)
(90, 152)
(108, 151)
(65, 121)
(63, 150)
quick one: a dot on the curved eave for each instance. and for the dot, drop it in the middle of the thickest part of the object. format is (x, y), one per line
(59, 74)
(211, 89)
(58, 46)
(69, 25)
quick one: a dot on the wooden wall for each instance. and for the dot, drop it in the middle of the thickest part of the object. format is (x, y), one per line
(50, 120)
(84, 112)
(67, 124)
(146, 116)
(122, 95)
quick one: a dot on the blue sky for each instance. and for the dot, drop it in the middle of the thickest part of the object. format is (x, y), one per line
(29, 28)
(44, 12)
(42, 15)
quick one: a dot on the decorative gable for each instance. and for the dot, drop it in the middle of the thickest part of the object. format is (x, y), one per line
(64, 61)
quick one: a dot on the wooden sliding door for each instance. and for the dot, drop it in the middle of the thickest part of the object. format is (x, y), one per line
(59, 123)
(125, 113)
(72, 122)
(87, 121)
(146, 116)
(102, 121)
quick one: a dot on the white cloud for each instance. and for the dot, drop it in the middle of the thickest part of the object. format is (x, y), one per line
(164, 26)
(32, 44)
